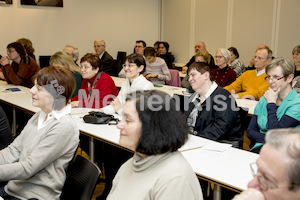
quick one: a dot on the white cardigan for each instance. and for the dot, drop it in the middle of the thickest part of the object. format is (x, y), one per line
(138, 84)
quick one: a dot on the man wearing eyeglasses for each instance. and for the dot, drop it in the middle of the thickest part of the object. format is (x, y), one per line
(277, 170)
(22, 68)
(108, 64)
(139, 47)
(252, 84)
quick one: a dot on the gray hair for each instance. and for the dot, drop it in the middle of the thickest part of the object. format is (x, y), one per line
(279, 138)
(75, 53)
(225, 53)
(101, 41)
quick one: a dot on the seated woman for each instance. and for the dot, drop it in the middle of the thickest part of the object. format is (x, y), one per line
(163, 52)
(157, 70)
(154, 131)
(235, 63)
(296, 58)
(134, 67)
(280, 105)
(96, 84)
(27, 44)
(35, 162)
(223, 75)
(212, 111)
(61, 58)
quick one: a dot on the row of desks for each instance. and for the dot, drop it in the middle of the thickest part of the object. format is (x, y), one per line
(227, 167)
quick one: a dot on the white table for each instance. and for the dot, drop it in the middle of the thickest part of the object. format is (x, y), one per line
(227, 169)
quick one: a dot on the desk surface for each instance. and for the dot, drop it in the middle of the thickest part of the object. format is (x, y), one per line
(229, 168)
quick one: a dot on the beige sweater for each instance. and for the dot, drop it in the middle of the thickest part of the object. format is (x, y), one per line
(160, 177)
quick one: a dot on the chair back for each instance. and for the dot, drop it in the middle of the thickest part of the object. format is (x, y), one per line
(120, 60)
(82, 178)
(44, 61)
(175, 78)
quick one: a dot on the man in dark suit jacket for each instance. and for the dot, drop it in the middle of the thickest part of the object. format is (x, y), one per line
(108, 64)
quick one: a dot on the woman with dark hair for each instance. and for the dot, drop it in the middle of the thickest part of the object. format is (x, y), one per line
(134, 67)
(22, 68)
(97, 88)
(163, 52)
(35, 163)
(154, 131)
(280, 105)
(212, 111)
(235, 63)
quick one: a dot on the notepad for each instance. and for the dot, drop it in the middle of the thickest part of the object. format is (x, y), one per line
(11, 90)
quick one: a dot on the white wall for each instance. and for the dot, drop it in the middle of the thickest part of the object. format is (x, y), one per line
(244, 24)
(119, 22)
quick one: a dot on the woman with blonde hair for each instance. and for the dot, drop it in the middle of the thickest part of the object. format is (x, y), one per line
(62, 59)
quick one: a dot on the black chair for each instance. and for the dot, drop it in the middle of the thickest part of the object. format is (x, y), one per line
(82, 178)
(44, 61)
(120, 60)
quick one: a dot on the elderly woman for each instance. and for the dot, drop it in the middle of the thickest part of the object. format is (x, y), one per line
(296, 58)
(157, 70)
(97, 88)
(280, 105)
(134, 67)
(235, 63)
(154, 131)
(35, 162)
(223, 75)
(61, 58)
(212, 111)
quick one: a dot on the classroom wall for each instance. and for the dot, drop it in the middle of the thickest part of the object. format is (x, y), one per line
(119, 22)
(244, 24)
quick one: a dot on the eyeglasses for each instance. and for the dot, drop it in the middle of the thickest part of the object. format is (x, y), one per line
(219, 57)
(10, 50)
(264, 182)
(138, 46)
(85, 67)
(259, 58)
(273, 78)
(130, 65)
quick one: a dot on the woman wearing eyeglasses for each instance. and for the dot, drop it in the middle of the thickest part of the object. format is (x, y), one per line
(134, 67)
(223, 75)
(96, 84)
(280, 105)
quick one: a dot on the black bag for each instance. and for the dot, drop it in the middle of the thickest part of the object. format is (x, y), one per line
(99, 118)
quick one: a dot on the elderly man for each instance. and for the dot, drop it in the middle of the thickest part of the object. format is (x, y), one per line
(139, 47)
(277, 170)
(199, 46)
(22, 68)
(108, 63)
(252, 84)
(72, 51)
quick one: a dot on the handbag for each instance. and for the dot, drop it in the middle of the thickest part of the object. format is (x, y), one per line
(99, 118)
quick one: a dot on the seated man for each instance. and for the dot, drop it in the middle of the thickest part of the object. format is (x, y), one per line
(139, 47)
(252, 84)
(72, 51)
(199, 47)
(108, 63)
(211, 113)
(276, 171)
(22, 69)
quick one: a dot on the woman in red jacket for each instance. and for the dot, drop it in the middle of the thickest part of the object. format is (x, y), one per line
(97, 88)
